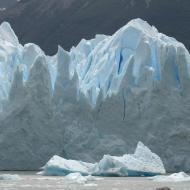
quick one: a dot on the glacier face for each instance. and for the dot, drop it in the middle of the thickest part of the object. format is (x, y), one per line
(102, 97)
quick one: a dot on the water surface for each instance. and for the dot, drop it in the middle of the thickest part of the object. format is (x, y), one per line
(31, 181)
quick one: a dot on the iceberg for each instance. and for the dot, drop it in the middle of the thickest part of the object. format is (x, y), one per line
(100, 98)
(142, 163)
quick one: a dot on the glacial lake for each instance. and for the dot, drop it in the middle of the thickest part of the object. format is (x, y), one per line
(31, 181)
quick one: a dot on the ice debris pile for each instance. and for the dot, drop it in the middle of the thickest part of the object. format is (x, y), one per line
(176, 177)
(101, 97)
(142, 163)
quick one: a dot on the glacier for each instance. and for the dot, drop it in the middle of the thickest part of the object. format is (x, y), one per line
(102, 97)
(142, 163)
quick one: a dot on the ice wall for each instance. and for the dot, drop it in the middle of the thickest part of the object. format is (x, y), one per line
(102, 97)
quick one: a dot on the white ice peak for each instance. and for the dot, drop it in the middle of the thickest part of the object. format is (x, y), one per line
(135, 56)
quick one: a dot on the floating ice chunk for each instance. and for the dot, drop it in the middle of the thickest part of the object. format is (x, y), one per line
(10, 177)
(60, 167)
(76, 178)
(79, 179)
(142, 163)
(176, 177)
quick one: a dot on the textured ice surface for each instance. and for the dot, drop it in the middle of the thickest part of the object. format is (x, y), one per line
(102, 97)
(142, 163)
(176, 177)
(101, 63)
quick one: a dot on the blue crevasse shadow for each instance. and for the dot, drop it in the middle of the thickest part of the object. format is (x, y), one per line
(120, 63)
(155, 61)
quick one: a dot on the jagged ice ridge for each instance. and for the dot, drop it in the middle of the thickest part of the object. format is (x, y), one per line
(102, 97)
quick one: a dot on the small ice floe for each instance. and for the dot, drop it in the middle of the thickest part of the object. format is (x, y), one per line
(176, 177)
(14, 177)
(79, 179)
(142, 163)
